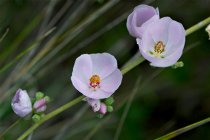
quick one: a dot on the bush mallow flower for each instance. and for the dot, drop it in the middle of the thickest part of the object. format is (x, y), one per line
(162, 42)
(21, 103)
(138, 19)
(96, 75)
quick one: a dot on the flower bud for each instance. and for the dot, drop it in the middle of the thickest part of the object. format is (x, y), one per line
(40, 105)
(178, 65)
(208, 30)
(36, 118)
(39, 95)
(21, 103)
(109, 101)
(94, 103)
(103, 109)
(110, 108)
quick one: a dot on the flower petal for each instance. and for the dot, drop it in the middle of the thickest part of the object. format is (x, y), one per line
(176, 37)
(89, 92)
(168, 61)
(159, 29)
(83, 68)
(103, 64)
(138, 17)
(112, 82)
(79, 85)
(21, 103)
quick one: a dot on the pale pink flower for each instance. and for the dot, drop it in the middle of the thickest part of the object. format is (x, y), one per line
(96, 75)
(163, 42)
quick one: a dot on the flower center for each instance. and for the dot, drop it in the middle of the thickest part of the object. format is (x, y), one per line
(159, 47)
(95, 81)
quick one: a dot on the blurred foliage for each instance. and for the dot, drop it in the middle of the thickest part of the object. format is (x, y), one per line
(173, 99)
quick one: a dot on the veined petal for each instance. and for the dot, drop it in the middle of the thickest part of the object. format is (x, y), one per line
(159, 29)
(83, 68)
(103, 64)
(138, 17)
(112, 82)
(176, 37)
(168, 60)
(79, 85)
(21, 103)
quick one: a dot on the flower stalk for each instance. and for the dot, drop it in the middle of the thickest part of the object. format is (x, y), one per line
(124, 70)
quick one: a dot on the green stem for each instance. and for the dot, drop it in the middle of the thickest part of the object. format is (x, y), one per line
(132, 65)
(198, 26)
(124, 70)
(50, 115)
(183, 129)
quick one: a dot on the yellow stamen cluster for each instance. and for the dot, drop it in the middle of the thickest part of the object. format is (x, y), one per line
(95, 81)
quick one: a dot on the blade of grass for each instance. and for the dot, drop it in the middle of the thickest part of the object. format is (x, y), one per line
(4, 35)
(126, 110)
(183, 129)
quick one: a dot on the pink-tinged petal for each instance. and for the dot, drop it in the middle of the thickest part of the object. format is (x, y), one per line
(21, 103)
(159, 29)
(138, 17)
(148, 56)
(112, 82)
(103, 64)
(168, 61)
(132, 31)
(89, 92)
(162, 62)
(79, 85)
(40, 105)
(143, 14)
(41, 109)
(103, 109)
(176, 37)
(147, 43)
(98, 94)
(94, 103)
(83, 68)
(144, 26)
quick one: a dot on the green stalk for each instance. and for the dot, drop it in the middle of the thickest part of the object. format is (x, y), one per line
(198, 26)
(183, 129)
(50, 115)
(124, 70)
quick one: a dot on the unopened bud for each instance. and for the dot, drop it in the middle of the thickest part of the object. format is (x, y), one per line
(21, 103)
(178, 65)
